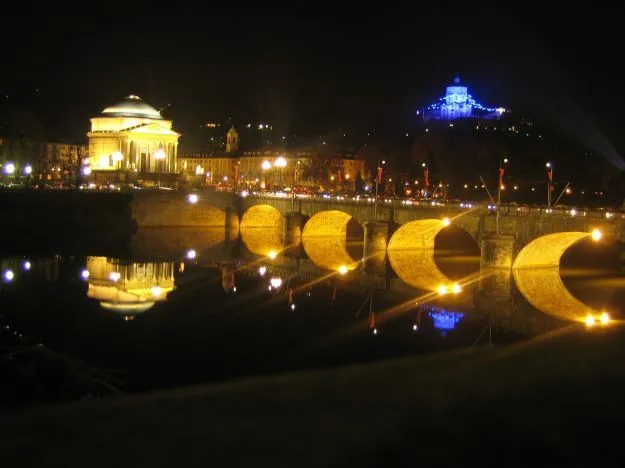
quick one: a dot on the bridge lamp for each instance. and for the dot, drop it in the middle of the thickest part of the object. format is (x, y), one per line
(456, 288)
(8, 275)
(442, 290)
(9, 168)
(191, 254)
(193, 198)
(342, 269)
(28, 170)
(596, 235)
(84, 274)
(272, 254)
(589, 320)
(446, 222)
(86, 171)
(548, 165)
(505, 160)
(604, 318)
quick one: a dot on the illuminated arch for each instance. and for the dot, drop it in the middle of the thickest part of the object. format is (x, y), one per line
(325, 238)
(537, 276)
(546, 251)
(411, 254)
(261, 216)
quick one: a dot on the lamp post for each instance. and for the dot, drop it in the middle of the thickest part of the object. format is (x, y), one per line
(500, 187)
(265, 166)
(549, 181)
(281, 164)
(378, 178)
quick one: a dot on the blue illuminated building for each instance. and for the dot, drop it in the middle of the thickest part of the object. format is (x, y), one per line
(459, 104)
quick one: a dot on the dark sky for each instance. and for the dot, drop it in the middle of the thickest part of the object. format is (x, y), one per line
(321, 72)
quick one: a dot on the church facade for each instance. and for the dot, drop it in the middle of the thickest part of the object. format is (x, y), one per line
(132, 136)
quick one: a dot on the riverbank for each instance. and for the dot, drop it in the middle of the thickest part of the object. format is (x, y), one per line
(556, 399)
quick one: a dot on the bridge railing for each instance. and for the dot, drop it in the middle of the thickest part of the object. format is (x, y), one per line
(505, 209)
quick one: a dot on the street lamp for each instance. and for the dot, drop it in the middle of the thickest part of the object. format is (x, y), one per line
(500, 187)
(549, 182)
(281, 164)
(265, 166)
(9, 168)
(378, 179)
(159, 155)
(28, 170)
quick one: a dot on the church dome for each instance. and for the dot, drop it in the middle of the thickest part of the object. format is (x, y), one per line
(132, 106)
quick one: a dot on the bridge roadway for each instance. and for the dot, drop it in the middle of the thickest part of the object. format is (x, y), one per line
(545, 234)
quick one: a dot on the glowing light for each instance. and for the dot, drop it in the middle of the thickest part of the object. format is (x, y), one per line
(415, 327)
(456, 288)
(275, 282)
(604, 318)
(9, 168)
(86, 170)
(28, 170)
(375, 331)
(84, 274)
(160, 154)
(343, 269)
(191, 254)
(442, 290)
(118, 156)
(548, 165)
(280, 162)
(8, 275)
(590, 321)
(157, 291)
(244, 193)
(266, 165)
(115, 276)
(446, 222)
(272, 254)
(292, 306)
(573, 212)
(262, 270)
(26, 265)
(596, 235)
(193, 198)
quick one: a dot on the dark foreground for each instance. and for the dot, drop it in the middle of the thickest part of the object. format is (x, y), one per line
(557, 401)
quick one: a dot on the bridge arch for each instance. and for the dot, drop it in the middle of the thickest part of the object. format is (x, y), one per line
(536, 273)
(333, 240)
(411, 252)
(261, 230)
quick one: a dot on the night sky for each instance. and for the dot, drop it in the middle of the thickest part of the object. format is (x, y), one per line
(316, 74)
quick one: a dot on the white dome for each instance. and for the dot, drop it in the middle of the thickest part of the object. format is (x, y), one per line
(132, 106)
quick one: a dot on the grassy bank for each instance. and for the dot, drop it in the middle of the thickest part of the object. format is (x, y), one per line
(554, 400)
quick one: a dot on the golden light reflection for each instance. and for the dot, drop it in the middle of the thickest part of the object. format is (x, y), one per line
(324, 238)
(128, 288)
(544, 289)
(266, 242)
(411, 254)
(261, 216)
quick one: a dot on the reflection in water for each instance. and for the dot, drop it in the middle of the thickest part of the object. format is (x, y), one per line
(544, 289)
(445, 319)
(172, 243)
(227, 277)
(129, 288)
(329, 253)
(263, 241)
(418, 269)
(411, 254)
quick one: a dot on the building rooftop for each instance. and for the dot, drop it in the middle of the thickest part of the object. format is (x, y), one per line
(132, 106)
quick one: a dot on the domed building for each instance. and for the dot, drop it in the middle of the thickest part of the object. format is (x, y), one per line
(132, 136)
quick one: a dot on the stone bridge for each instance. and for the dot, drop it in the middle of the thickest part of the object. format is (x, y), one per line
(538, 236)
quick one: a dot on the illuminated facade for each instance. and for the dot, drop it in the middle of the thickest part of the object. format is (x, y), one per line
(217, 169)
(459, 104)
(129, 288)
(132, 135)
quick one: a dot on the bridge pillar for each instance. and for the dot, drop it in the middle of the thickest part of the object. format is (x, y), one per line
(293, 223)
(497, 250)
(376, 236)
(232, 223)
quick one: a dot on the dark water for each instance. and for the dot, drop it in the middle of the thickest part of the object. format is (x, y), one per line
(159, 316)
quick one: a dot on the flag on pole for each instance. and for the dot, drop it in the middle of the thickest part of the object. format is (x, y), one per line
(426, 178)
(379, 174)
(550, 175)
(501, 173)
(371, 319)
